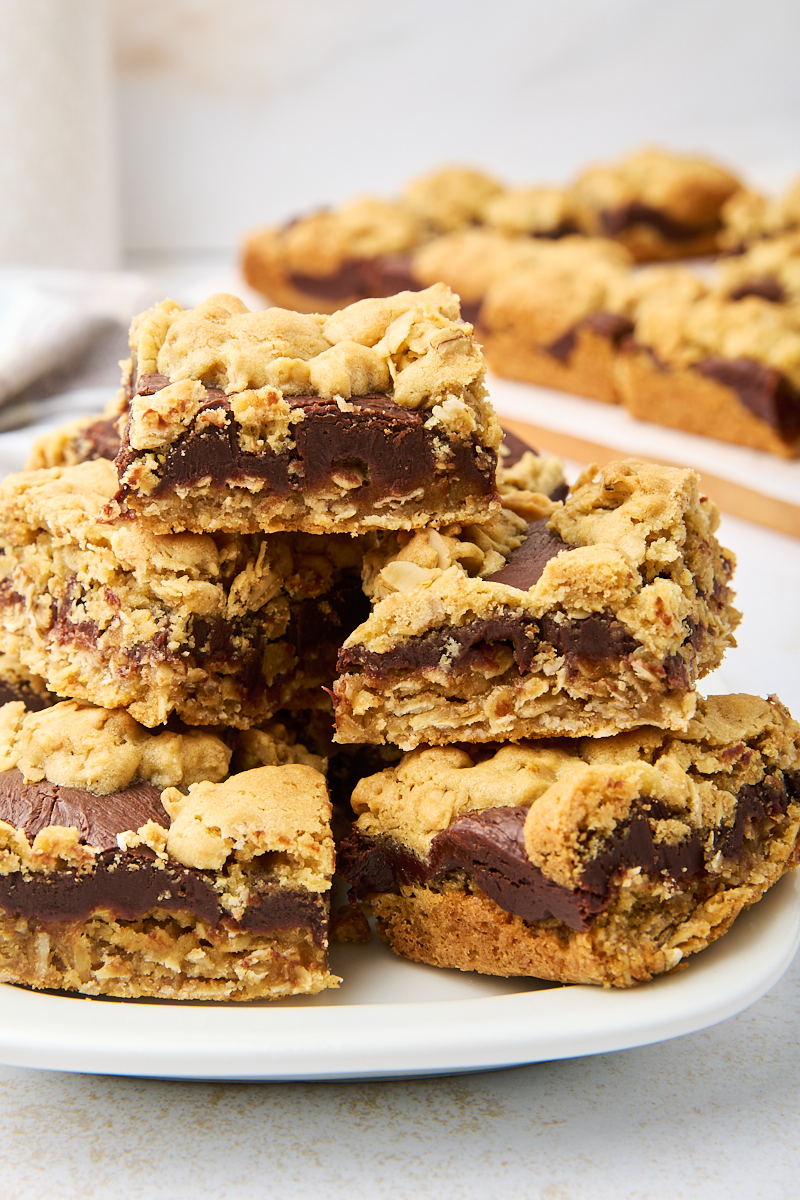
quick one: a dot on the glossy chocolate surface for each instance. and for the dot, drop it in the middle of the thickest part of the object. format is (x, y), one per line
(527, 562)
(98, 819)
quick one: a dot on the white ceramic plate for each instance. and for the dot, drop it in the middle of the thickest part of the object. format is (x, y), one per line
(391, 1018)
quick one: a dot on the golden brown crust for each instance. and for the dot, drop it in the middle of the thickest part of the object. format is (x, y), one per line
(588, 371)
(167, 955)
(472, 933)
(682, 398)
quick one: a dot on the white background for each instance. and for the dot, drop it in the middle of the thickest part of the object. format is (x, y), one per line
(239, 112)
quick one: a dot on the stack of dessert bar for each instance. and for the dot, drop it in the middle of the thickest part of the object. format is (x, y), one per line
(550, 278)
(306, 510)
(163, 834)
(568, 807)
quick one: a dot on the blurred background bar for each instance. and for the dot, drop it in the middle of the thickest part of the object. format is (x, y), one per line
(236, 113)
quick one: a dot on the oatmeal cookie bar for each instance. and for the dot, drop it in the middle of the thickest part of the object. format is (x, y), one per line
(557, 320)
(585, 617)
(657, 203)
(133, 864)
(603, 861)
(375, 417)
(326, 260)
(726, 368)
(221, 630)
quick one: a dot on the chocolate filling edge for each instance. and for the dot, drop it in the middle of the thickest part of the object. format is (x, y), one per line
(489, 847)
(130, 884)
(765, 391)
(382, 448)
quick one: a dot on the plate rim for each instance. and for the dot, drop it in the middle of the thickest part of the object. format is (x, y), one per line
(406, 1038)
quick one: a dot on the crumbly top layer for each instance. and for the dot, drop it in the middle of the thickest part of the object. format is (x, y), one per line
(320, 243)
(281, 810)
(104, 750)
(715, 326)
(403, 562)
(642, 546)
(569, 279)
(525, 487)
(776, 260)
(412, 346)
(536, 211)
(748, 216)
(672, 287)
(690, 190)
(452, 197)
(577, 792)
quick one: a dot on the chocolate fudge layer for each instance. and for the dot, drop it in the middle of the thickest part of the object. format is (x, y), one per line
(115, 882)
(600, 616)
(221, 630)
(596, 861)
(375, 417)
